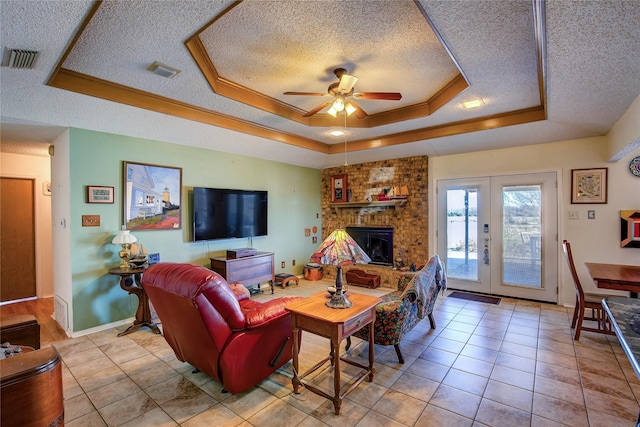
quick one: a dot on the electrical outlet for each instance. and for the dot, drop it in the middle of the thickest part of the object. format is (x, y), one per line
(282, 264)
(90, 220)
(591, 214)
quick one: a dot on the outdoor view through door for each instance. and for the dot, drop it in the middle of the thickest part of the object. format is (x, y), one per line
(493, 229)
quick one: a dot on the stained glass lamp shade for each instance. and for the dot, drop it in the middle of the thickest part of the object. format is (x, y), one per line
(339, 249)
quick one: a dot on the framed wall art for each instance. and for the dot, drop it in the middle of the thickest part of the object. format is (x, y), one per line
(152, 197)
(589, 186)
(630, 229)
(99, 194)
(339, 188)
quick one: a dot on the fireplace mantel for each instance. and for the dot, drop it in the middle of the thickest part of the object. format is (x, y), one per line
(394, 203)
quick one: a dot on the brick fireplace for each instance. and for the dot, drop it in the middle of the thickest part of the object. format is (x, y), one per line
(409, 223)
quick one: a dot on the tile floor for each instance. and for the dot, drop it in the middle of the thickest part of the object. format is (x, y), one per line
(512, 364)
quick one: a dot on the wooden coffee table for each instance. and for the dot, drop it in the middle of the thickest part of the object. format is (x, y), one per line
(312, 315)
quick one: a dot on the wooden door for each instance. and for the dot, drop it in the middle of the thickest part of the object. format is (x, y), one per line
(17, 239)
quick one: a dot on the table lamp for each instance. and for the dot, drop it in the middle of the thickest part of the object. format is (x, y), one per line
(125, 239)
(339, 249)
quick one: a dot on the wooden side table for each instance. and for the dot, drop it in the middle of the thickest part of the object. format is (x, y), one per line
(130, 281)
(21, 329)
(249, 270)
(312, 315)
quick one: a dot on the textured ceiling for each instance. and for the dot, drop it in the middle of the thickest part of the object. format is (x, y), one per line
(287, 56)
(590, 50)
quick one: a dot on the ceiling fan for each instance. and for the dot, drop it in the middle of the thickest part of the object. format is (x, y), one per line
(340, 91)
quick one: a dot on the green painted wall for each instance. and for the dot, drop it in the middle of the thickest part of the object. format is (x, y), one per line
(97, 159)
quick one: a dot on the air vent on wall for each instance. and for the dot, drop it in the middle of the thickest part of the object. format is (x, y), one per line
(163, 70)
(19, 58)
(61, 312)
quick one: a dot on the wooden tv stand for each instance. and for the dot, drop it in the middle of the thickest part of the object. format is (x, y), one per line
(250, 270)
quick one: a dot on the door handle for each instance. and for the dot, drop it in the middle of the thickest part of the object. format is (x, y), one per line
(486, 251)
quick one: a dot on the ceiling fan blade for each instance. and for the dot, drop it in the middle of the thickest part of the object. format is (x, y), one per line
(306, 93)
(389, 96)
(347, 82)
(360, 113)
(318, 108)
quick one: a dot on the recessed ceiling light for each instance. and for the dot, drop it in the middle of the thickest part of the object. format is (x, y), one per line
(163, 70)
(337, 133)
(473, 103)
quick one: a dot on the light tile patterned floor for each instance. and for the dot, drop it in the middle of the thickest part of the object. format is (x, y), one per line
(512, 364)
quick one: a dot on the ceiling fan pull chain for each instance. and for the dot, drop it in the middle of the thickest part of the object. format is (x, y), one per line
(345, 139)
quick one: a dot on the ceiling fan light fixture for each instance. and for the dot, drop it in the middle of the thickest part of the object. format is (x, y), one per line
(347, 82)
(349, 108)
(338, 104)
(473, 103)
(332, 111)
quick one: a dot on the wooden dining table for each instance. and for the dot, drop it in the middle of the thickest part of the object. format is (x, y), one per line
(616, 276)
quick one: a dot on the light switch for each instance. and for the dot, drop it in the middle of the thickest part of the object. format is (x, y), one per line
(574, 214)
(591, 214)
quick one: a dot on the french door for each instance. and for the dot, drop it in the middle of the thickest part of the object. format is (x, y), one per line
(498, 235)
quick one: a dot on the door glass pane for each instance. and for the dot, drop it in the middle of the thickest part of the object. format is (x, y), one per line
(521, 231)
(462, 233)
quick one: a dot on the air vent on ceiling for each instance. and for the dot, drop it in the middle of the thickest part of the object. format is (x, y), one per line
(163, 70)
(19, 58)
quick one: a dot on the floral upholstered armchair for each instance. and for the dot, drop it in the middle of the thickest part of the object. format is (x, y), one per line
(403, 309)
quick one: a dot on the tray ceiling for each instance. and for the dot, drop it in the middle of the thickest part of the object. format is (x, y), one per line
(542, 68)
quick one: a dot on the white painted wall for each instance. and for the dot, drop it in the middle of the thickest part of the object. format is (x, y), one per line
(61, 211)
(39, 169)
(596, 240)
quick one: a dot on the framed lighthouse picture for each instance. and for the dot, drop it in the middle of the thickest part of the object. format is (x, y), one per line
(152, 197)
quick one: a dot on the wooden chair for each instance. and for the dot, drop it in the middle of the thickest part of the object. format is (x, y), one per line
(585, 301)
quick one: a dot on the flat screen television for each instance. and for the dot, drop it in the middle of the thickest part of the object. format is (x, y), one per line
(220, 213)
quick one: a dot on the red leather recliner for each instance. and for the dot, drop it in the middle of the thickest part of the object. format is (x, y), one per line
(222, 332)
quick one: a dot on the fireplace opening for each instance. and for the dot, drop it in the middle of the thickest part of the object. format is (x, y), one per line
(377, 242)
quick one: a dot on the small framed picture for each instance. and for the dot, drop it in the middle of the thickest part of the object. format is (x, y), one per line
(589, 185)
(339, 188)
(99, 194)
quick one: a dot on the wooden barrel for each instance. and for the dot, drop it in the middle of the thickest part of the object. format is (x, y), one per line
(31, 389)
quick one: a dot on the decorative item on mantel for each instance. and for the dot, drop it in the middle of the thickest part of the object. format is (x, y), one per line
(394, 193)
(398, 192)
(339, 249)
